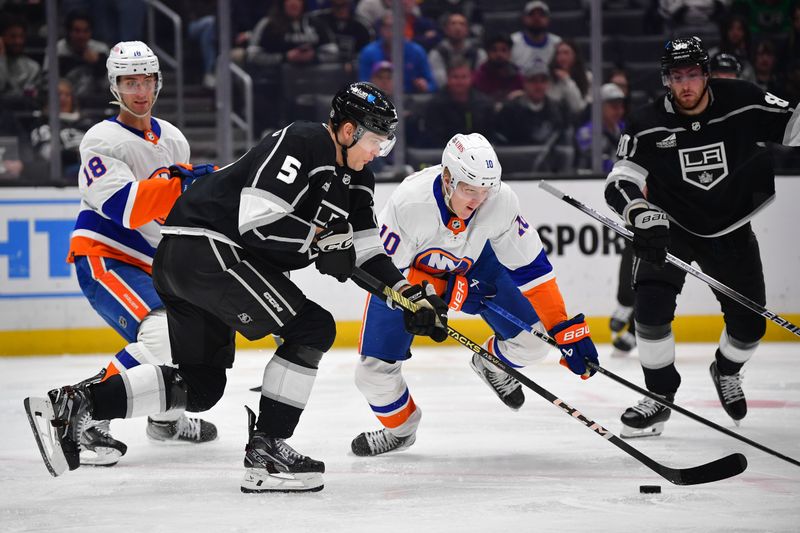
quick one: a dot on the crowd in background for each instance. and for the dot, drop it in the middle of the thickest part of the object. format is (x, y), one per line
(519, 83)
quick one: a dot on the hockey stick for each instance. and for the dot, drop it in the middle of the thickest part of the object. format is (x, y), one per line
(622, 381)
(724, 289)
(719, 469)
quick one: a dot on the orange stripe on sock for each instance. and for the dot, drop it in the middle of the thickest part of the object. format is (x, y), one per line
(111, 370)
(400, 417)
(129, 299)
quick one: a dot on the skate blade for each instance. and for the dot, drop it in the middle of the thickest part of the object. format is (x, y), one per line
(629, 432)
(41, 415)
(100, 457)
(259, 480)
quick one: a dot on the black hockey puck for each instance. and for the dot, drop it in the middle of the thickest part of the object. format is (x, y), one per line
(650, 489)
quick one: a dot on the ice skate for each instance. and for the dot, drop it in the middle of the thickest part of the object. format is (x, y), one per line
(622, 338)
(98, 447)
(646, 418)
(507, 388)
(623, 344)
(271, 465)
(729, 390)
(380, 441)
(57, 422)
(184, 429)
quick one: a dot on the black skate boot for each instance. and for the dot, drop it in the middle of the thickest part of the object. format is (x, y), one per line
(271, 465)
(507, 388)
(185, 429)
(98, 447)
(57, 422)
(646, 418)
(380, 441)
(729, 390)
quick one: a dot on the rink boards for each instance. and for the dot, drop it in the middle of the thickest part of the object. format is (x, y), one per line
(43, 311)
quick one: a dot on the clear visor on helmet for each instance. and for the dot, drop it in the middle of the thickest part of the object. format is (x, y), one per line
(137, 84)
(379, 145)
(472, 192)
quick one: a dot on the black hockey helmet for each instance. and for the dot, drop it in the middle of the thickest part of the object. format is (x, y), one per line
(683, 53)
(726, 63)
(366, 105)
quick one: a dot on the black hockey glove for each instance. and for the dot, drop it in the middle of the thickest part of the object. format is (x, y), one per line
(650, 228)
(337, 257)
(431, 318)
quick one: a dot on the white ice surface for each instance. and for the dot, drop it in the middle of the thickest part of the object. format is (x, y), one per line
(476, 466)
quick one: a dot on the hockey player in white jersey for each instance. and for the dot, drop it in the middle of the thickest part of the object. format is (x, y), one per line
(133, 168)
(458, 227)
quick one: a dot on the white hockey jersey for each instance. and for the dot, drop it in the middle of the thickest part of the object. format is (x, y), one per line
(126, 189)
(421, 235)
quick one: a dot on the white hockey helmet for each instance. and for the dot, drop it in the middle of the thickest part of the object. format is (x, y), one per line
(129, 58)
(472, 160)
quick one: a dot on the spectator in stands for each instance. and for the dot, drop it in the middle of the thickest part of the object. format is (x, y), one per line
(725, 66)
(498, 77)
(534, 43)
(81, 59)
(417, 70)
(571, 81)
(19, 74)
(619, 76)
(418, 28)
(373, 11)
(765, 66)
(688, 16)
(613, 113)
(290, 35)
(734, 39)
(351, 33)
(439, 9)
(73, 128)
(457, 107)
(455, 45)
(533, 118)
(382, 76)
(202, 30)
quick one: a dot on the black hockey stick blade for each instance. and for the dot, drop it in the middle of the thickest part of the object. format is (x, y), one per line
(723, 468)
(256, 389)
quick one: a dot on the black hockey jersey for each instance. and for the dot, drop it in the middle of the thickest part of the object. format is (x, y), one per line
(706, 171)
(271, 200)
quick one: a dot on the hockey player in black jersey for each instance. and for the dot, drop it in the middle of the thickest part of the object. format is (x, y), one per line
(303, 195)
(690, 178)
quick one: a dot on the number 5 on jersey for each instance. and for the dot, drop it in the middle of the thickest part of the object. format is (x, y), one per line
(289, 169)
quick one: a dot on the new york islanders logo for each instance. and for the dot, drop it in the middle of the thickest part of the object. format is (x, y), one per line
(438, 261)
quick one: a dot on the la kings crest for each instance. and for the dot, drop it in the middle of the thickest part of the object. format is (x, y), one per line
(704, 166)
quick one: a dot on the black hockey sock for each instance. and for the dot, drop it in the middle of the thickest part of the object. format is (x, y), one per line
(662, 380)
(725, 366)
(277, 419)
(109, 399)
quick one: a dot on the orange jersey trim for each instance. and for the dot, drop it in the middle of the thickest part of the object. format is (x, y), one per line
(154, 200)
(416, 277)
(547, 301)
(90, 247)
